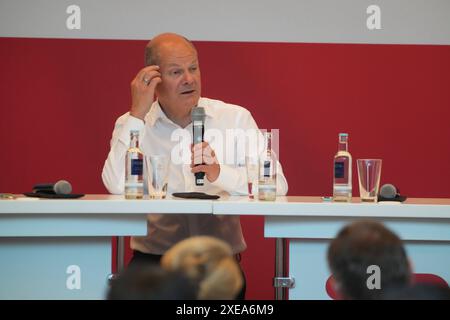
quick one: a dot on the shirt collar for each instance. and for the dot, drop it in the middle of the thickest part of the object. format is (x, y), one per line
(156, 112)
(202, 102)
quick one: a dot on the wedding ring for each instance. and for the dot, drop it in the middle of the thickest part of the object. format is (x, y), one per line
(146, 81)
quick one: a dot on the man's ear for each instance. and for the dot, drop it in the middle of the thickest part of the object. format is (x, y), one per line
(337, 289)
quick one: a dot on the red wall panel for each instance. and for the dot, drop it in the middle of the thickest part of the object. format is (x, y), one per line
(59, 100)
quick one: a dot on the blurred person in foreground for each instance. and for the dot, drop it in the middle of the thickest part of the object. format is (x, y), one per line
(356, 248)
(209, 263)
(151, 282)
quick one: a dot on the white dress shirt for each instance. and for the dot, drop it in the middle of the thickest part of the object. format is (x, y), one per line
(157, 137)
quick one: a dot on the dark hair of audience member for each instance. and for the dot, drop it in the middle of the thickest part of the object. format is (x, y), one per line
(362, 244)
(151, 282)
(419, 291)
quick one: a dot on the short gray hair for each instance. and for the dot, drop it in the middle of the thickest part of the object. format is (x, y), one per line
(152, 53)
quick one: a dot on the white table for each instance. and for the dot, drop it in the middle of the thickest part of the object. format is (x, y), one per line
(310, 224)
(41, 240)
(45, 244)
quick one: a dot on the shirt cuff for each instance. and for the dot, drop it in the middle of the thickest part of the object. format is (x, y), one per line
(132, 123)
(227, 179)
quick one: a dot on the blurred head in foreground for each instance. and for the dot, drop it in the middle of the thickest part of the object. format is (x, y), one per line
(210, 263)
(360, 251)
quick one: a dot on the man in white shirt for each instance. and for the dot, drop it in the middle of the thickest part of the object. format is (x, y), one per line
(172, 73)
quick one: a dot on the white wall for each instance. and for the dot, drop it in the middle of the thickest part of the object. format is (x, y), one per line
(328, 21)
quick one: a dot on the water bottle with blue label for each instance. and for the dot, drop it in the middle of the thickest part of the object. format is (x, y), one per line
(342, 171)
(267, 182)
(134, 167)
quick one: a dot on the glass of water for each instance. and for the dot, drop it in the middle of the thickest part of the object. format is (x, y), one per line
(369, 172)
(252, 166)
(158, 167)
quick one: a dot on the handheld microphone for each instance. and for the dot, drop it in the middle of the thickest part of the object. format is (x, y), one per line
(198, 130)
(60, 187)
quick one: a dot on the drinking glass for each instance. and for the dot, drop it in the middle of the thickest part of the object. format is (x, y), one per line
(158, 173)
(369, 173)
(252, 166)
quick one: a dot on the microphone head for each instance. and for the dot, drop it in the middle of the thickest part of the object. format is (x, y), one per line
(198, 114)
(62, 187)
(388, 191)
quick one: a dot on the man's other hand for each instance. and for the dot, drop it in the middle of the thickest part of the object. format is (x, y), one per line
(143, 90)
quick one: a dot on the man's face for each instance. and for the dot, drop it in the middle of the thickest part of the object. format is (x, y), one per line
(180, 88)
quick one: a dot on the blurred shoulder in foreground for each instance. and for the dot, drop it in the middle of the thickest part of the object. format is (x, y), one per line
(151, 282)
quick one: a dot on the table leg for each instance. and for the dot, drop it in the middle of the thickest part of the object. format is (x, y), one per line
(280, 268)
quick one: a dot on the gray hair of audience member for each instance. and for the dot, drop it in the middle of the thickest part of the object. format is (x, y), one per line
(151, 282)
(362, 244)
(209, 262)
